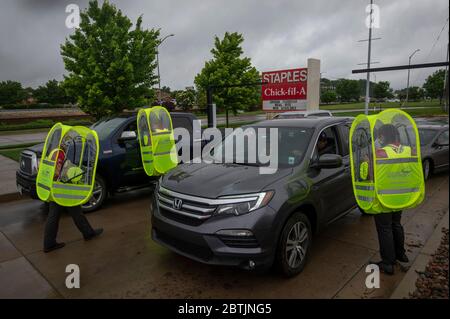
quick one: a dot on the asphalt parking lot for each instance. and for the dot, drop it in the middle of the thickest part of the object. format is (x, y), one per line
(125, 263)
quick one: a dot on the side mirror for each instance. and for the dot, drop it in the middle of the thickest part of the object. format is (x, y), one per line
(127, 136)
(329, 161)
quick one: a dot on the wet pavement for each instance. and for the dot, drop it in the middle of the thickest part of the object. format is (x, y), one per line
(125, 263)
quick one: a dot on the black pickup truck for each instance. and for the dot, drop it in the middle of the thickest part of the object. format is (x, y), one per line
(119, 167)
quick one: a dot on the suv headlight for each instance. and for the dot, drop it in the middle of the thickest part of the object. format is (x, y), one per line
(243, 204)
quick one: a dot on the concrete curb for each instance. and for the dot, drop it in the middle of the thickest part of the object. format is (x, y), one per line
(408, 284)
(10, 197)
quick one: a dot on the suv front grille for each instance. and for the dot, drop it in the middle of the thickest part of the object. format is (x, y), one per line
(183, 208)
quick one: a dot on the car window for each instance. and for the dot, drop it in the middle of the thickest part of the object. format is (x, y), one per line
(131, 127)
(443, 138)
(426, 136)
(105, 127)
(292, 145)
(326, 143)
(181, 121)
(344, 134)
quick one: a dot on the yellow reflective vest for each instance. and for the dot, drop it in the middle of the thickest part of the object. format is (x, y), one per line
(68, 165)
(386, 178)
(156, 139)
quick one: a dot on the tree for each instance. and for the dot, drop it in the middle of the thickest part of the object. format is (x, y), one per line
(382, 90)
(52, 92)
(186, 99)
(416, 93)
(110, 66)
(434, 85)
(328, 97)
(228, 68)
(11, 92)
(347, 90)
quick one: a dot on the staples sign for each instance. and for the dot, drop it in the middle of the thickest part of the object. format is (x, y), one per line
(284, 90)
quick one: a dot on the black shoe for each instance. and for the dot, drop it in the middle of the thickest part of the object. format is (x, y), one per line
(96, 233)
(403, 258)
(54, 247)
(384, 268)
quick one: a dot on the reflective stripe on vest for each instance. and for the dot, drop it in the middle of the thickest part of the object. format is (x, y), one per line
(48, 162)
(398, 191)
(365, 198)
(72, 187)
(397, 160)
(69, 196)
(365, 188)
(44, 186)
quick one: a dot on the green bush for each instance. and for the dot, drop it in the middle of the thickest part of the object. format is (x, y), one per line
(34, 106)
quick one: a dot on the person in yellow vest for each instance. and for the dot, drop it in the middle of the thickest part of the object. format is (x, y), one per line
(65, 171)
(391, 236)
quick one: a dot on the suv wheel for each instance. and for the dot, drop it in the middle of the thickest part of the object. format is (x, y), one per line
(294, 244)
(99, 195)
(426, 166)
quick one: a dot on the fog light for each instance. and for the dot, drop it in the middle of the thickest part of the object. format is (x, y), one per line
(251, 264)
(235, 232)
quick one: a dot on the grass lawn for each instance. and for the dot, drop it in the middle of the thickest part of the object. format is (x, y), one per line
(12, 153)
(415, 113)
(41, 124)
(360, 105)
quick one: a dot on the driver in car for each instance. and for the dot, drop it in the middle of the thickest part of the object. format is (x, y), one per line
(323, 147)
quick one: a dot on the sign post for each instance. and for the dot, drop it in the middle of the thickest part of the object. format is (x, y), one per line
(293, 89)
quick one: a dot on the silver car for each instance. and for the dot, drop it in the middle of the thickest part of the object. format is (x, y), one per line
(434, 146)
(302, 114)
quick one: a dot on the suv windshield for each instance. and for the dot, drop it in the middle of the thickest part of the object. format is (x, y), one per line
(242, 146)
(106, 126)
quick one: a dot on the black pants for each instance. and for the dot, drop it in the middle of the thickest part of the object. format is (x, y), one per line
(391, 236)
(51, 227)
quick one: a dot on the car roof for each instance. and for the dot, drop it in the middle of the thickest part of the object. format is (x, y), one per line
(432, 126)
(308, 122)
(134, 114)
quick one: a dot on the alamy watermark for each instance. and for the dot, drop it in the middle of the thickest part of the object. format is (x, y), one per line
(250, 145)
(375, 23)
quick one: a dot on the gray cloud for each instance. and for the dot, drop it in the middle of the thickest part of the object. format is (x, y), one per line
(278, 34)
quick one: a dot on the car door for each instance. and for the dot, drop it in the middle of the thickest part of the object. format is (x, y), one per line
(348, 197)
(330, 185)
(440, 150)
(130, 165)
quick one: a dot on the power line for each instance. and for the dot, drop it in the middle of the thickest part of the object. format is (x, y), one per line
(431, 50)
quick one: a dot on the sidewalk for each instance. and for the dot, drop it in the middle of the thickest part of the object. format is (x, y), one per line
(21, 138)
(8, 189)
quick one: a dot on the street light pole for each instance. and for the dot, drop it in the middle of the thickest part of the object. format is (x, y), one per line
(157, 65)
(407, 82)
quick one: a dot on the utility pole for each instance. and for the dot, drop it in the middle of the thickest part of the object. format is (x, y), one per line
(445, 92)
(366, 106)
(157, 65)
(407, 82)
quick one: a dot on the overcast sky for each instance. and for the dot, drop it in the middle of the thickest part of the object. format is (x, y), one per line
(278, 34)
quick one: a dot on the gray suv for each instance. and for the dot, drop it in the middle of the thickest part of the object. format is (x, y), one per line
(230, 214)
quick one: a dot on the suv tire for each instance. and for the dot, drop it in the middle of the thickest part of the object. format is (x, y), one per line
(99, 195)
(294, 244)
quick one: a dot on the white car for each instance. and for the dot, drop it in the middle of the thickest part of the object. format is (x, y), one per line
(302, 114)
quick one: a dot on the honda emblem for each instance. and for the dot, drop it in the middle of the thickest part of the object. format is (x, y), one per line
(177, 203)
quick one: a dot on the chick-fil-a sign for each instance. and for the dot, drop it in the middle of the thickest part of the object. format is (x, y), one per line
(284, 90)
